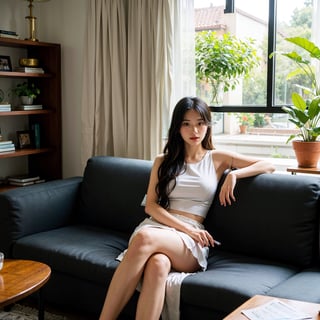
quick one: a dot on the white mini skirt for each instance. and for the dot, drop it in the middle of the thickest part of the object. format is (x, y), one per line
(200, 253)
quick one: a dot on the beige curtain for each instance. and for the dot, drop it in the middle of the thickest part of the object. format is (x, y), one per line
(129, 76)
(149, 74)
(104, 101)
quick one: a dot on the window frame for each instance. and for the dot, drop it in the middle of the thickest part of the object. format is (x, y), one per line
(270, 107)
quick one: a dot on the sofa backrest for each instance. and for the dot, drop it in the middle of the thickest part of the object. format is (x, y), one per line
(112, 191)
(275, 216)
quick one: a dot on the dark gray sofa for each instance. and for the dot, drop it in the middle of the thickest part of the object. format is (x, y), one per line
(270, 237)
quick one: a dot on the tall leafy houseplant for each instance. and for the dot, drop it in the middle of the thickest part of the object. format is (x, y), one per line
(222, 60)
(305, 111)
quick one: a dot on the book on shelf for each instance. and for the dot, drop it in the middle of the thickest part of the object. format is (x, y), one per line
(8, 34)
(7, 149)
(30, 107)
(29, 69)
(13, 33)
(5, 146)
(5, 107)
(36, 130)
(5, 142)
(23, 178)
(21, 184)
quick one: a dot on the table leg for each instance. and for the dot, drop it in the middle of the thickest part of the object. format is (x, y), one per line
(40, 305)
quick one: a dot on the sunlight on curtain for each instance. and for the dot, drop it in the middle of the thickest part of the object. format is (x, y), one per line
(149, 74)
(183, 51)
(161, 46)
(135, 71)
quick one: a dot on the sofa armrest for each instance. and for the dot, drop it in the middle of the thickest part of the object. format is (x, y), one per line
(36, 208)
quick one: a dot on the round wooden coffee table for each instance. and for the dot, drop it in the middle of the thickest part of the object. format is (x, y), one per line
(20, 278)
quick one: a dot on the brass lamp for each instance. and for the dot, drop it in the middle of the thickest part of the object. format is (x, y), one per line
(32, 20)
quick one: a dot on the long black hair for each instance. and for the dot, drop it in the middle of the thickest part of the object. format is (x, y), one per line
(174, 152)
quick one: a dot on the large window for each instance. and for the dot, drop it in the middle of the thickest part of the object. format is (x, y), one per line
(258, 96)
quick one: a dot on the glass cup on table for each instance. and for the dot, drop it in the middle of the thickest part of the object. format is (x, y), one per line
(1, 260)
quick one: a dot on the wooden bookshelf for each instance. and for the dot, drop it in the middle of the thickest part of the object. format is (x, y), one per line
(45, 161)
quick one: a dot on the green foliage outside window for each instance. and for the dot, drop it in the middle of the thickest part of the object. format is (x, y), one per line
(222, 60)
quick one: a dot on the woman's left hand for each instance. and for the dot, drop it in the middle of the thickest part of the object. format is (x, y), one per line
(226, 195)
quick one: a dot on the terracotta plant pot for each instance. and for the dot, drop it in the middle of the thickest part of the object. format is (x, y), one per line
(307, 153)
(243, 128)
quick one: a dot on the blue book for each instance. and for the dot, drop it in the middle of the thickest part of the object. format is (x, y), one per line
(36, 130)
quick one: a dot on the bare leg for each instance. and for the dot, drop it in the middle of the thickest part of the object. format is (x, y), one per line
(146, 242)
(152, 295)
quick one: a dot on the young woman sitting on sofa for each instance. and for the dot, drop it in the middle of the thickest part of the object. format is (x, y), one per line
(182, 186)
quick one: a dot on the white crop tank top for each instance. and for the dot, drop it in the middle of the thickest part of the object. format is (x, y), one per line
(195, 187)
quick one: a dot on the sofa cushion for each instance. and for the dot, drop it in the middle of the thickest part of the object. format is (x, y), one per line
(36, 208)
(231, 279)
(112, 191)
(275, 216)
(84, 252)
(303, 286)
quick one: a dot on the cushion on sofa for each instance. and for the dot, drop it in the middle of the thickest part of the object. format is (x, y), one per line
(231, 279)
(112, 192)
(84, 252)
(36, 208)
(275, 216)
(305, 286)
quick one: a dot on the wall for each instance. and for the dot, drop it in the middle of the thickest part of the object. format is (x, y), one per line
(63, 22)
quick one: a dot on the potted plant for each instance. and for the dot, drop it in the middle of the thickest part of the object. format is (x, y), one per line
(245, 120)
(222, 60)
(27, 92)
(305, 111)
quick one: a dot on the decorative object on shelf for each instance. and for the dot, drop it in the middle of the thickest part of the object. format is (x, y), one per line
(1, 96)
(25, 139)
(28, 62)
(29, 65)
(32, 21)
(27, 92)
(5, 63)
(305, 111)
(4, 105)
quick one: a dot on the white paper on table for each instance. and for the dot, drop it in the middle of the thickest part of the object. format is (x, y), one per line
(275, 310)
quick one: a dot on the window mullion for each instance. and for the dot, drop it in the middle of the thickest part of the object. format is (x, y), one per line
(272, 28)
